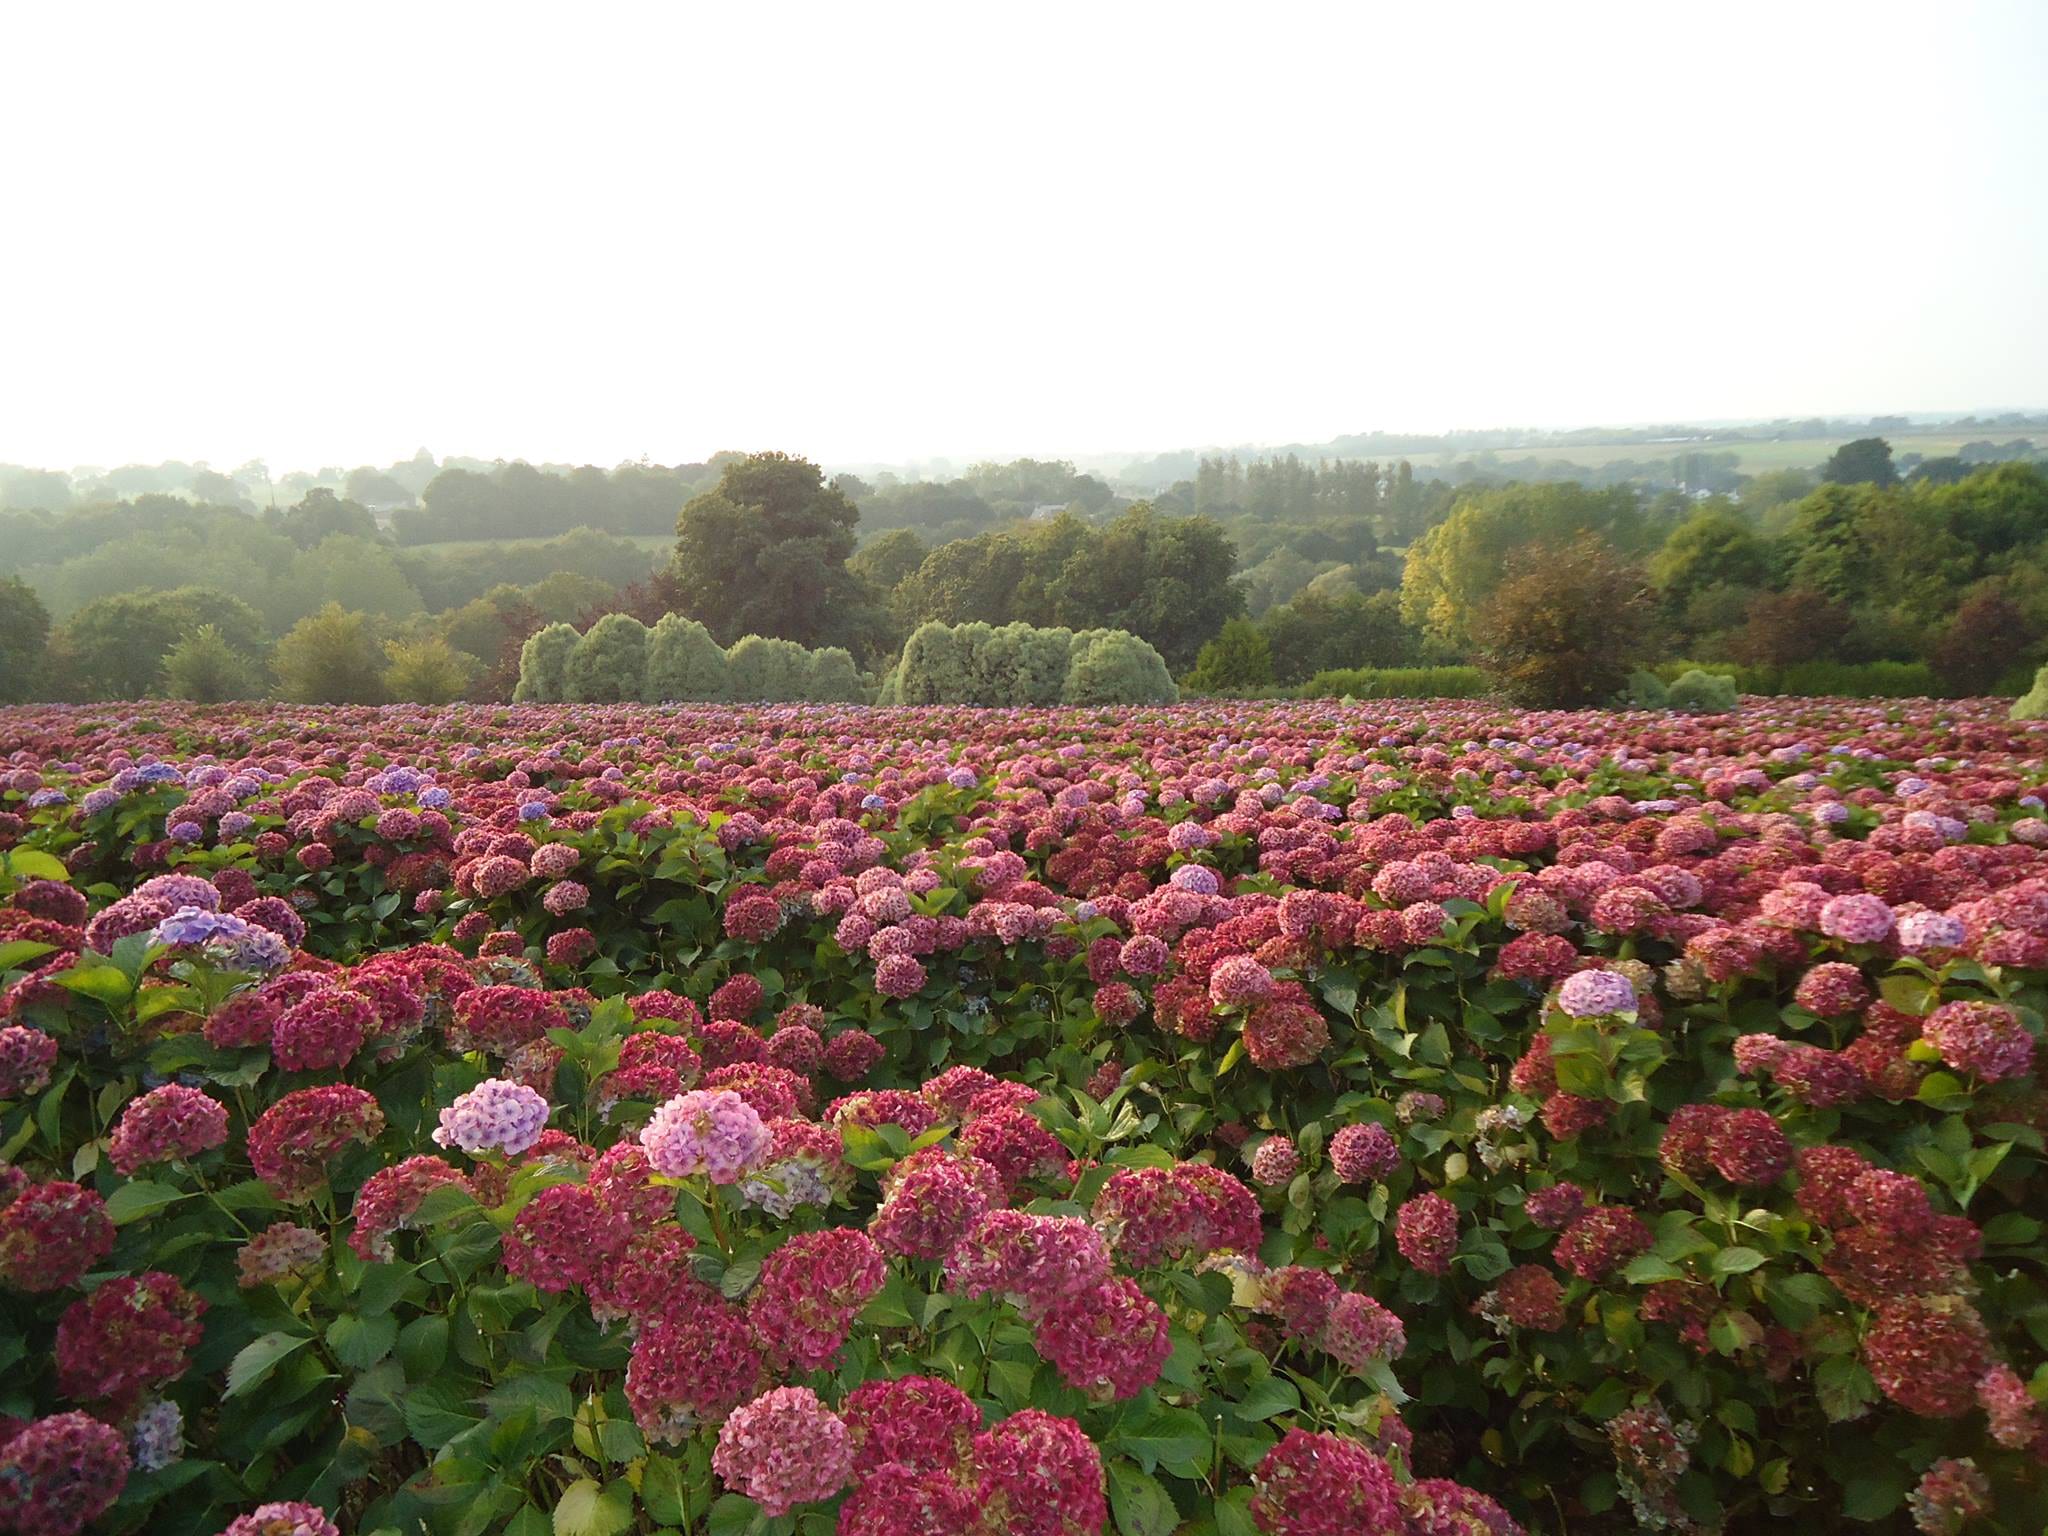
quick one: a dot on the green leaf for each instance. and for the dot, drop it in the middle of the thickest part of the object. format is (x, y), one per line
(360, 1342)
(423, 1346)
(437, 1411)
(1648, 1269)
(1737, 1261)
(21, 951)
(1872, 1496)
(661, 1490)
(732, 1516)
(34, 864)
(105, 983)
(133, 1201)
(1170, 1436)
(1140, 1505)
(252, 1367)
(588, 1508)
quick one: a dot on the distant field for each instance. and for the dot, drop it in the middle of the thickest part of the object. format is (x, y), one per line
(1752, 457)
(653, 543)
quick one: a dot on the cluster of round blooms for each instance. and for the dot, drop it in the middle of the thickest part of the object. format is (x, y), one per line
(168, 1124)
(1527, 1296)
(1601, 1240)
(783, 1449)
(1857, 918)
(1983, 1039)
(1596, 994)
(51, 1234)
(564, 1236)
(1554, 1206)
(280, 1250)
(132, 1333)
(26, 1056)
(930, 1201)
(1832, 989)
(810, 1291)
(228, 940)
(646, 1278)
(1013, 1143)
(494, 1116)
(711, 1131)
(1110, 1342)
(60, 1474)
(1157, 1216)
(156, 1438)
(1950, 1494)
(1037, 1263)
(691, 1365)
(1039, 1475)
(323, 1032)
(1275, 1162)
(1325, 1485)
(1926, 1354)
(1426, 1232)
(283, 1519)
(1359, 1331)
(293, 1141)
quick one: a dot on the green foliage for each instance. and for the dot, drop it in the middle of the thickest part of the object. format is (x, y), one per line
(426, 670)
(884, 561)
(768, 670)
(684, 663)
(1568, 632)
(331, 657)
(833, 678)
(204, 668)
(1820, 679)
(2033, 705)
(1320, 633)
(1694, 692)
(1645, 690)
(609, 664)
(114, 647)
(24, 636)
(1117, 668)
(934, 666)
(1397, 683)
(544, 666)
(1239, 657)
(1979, 644)
(765, 554)
(1453, 571)
(1867, 460)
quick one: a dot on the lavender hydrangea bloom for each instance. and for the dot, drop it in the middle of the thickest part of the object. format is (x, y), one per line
(436, 798)
(228, 941)
(43, 799)
(710, 1131)
(158, 1436)
(494, 1116)
(1595, 994)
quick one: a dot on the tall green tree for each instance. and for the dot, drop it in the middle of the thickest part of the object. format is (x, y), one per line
(1567, 631)
(114, 647)
(1238, 657)
(765, 554)
(1866, 461)
(24, 637)
(331, 657)
(204, 668)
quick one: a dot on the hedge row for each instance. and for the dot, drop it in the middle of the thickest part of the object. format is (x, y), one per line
(1398, 683)
(1019, 665)
(619, 660)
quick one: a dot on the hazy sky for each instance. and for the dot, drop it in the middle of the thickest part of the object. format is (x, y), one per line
(331, 234)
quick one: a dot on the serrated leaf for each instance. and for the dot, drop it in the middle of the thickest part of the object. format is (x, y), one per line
(137, 1199)
(1737, 1261)
(1140, 1505)
(254, 1364)
(360, 1342)
(589, 1508)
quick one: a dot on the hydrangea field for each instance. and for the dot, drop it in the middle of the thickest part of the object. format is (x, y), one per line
(1394, 1120)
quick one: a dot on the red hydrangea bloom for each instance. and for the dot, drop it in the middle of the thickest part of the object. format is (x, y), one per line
(1602, 1240)
(810, 1291)
(564, 1236)
(1285, 1031)
(1359, 1331)
(1687, 1137)
(896, 1500)
(293, 1141)
(51, 1234)
(691, 1366)
(920, 1422)
(646, 1277)
(1825, 1177)
(1110, 1342)
(1950, 1494)
(1527, 1296)
(1325, 1485)
(1554, 1206)
(59, 1474)
(1984, 1040)
(1831, 990)
(736, 999)
(131, 1334)
(1275, 1162)
(1364, 1153)
(931, 1199)
(1299, 1298)
(1568, 1116)
(171, 1123)
(1157, 1216)
(389, 1198)
(1747, 1146)
(1438, 1507)
(852, 1054)
(500, 1019)
(1039, 1263)
(1926, 1354)
(25, 1059)
(1040, 1475)
(1016, 1146)
(1426, 1232)
(323, 1032)
(284, 1519)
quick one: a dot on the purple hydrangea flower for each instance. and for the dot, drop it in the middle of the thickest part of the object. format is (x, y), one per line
(1595, 994)
(494, 1116)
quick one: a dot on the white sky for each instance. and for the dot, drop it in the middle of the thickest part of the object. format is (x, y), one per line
(331, 234)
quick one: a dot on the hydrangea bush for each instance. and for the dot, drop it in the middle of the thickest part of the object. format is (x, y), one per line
(1292, 1119)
